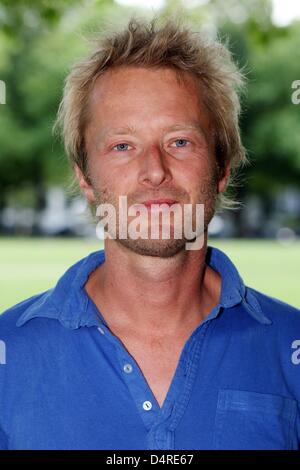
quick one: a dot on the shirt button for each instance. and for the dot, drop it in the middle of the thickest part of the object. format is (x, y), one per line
(147, 405)
(101, 331)
(127, 368)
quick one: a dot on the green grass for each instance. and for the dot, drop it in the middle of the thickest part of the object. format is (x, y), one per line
(31, 265)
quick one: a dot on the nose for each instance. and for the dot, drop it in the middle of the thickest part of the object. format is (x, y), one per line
(153, 169)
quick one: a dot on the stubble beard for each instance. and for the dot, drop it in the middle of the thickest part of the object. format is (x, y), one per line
(163, 248)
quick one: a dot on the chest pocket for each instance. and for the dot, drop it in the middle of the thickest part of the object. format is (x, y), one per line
(250, 420)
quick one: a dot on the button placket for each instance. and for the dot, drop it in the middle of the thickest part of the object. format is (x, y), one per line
(138, 387)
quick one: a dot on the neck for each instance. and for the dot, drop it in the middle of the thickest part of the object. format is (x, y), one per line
(151, 293)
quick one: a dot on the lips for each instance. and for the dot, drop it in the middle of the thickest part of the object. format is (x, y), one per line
(150, 202)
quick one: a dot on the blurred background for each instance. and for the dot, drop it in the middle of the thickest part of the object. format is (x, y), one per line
(45, 227)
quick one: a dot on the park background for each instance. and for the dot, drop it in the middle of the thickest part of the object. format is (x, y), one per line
(45, 227)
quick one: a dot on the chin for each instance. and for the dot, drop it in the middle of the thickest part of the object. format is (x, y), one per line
(157, 248)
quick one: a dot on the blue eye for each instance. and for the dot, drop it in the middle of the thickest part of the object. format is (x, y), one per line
(121, 147)
(182, 142)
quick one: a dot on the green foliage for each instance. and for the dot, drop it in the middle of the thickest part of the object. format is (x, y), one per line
(272, 123)
(38, 44)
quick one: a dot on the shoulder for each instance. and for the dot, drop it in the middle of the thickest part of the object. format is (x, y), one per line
(47, 304)
(278, 311)
(10, 316)
(284, 330)
(9, 330)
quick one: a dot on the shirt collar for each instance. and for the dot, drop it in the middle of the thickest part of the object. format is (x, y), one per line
(68, 301)
(233, 289)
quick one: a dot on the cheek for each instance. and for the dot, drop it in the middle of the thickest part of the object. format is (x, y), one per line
(201, 181)
(99, 174)
(109, 185)
(193, 174)
(123, 179)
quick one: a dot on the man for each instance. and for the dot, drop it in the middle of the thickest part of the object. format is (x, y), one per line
(148, 344)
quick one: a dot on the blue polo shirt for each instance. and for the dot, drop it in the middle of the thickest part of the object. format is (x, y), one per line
(67, 382)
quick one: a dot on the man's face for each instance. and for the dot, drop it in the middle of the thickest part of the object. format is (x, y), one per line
(149, 138)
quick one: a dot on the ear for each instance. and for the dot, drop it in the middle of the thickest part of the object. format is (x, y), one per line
(85, 187)
(224, 179)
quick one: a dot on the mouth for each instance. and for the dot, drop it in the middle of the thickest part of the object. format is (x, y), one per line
(149, 203)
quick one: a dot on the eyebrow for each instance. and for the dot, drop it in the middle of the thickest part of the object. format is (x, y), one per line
(131, 130)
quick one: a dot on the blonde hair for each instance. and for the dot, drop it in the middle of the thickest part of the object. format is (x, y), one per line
(150, 44)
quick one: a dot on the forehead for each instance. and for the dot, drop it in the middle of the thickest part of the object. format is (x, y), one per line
(158, 95)
(137, 82)
(133, 74)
